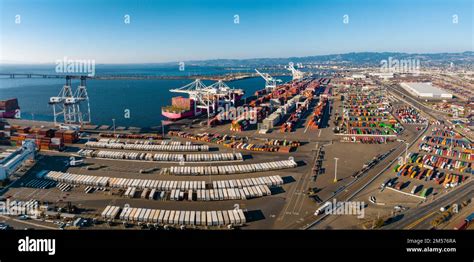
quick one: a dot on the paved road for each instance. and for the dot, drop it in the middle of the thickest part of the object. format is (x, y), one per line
(419, 218)
(297, 196)
(23, 224)
(354, 186)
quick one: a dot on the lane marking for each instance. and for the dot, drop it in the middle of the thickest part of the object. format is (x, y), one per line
(412, 225)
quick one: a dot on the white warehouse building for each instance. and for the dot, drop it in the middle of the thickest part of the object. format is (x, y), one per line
(426, 91)
(10, 161)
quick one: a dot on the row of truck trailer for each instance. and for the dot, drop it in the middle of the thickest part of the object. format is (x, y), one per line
(165, 157)
(175, 217)
(142, 142)
(162, 185)
(230, 169)
(152, 147)
(221, 194)
(29, 207)
(201, 194)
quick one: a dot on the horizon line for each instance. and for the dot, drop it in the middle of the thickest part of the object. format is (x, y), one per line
(214, 59)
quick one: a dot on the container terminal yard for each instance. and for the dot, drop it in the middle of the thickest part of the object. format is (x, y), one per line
(295, 148)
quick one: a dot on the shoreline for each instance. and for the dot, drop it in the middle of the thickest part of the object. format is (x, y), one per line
(223, 77)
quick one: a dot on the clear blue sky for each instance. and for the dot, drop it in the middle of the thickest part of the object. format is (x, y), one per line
(180, 30)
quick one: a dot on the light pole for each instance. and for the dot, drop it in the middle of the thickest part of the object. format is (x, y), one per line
(406, 152)
(162, 129)
(113, 123)
(452, 141)
(335, 170)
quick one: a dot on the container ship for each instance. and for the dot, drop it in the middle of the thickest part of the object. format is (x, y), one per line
(181, 107)
(201, 99)
(9, 108)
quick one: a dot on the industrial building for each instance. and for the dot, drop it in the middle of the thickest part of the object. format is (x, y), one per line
(426, 91)
(384, 76)
(11, 160)
(358, 76)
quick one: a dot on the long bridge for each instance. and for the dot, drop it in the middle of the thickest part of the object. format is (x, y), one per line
(29, 75)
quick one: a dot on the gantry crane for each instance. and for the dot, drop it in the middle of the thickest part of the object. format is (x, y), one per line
(73, 106)
(297, 75)
(270, 82)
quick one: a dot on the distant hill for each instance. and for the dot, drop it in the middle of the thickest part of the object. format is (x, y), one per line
(362, 58)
